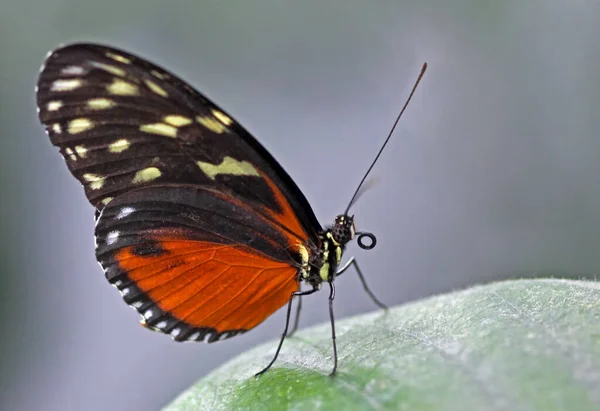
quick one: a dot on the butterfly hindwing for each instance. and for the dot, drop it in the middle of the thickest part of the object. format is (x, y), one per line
(194, 262)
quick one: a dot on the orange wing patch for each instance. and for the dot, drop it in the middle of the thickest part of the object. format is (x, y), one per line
(287, 218)
(206, 285)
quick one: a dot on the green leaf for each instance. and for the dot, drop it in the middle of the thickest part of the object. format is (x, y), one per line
(513, 345)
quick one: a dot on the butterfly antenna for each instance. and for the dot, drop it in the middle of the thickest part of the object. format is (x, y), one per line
(354, 197)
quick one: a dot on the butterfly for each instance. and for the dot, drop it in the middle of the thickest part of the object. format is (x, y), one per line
(199, 228)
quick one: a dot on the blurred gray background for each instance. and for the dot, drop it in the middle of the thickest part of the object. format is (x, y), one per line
(493, 173)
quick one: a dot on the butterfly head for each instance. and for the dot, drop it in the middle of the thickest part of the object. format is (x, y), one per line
(343, 229)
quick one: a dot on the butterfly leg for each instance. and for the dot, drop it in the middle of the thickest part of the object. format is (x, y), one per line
(297, 319)
(352, 262)
(287, 323)
(331, 298)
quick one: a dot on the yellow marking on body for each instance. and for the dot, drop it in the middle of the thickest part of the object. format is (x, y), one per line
(70, 153)
(211, 124)
(330, 236)
(81, 151)
(156, 88)
(100, 103)
(145, 175)
(106, 200)
(54, 105)
(157, 74)
(122, 88)
(229, 166)
(110, 69)
(119, 146)
(159, 128)
(80, 125)
(56, 128)
(177, 120)
(96, 182)
(222, 117)
(303, 253)
(338, 255)
(66, 85)
(118, 57)
(324, 272)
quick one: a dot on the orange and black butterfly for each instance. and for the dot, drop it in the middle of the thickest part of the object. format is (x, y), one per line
(197, 225)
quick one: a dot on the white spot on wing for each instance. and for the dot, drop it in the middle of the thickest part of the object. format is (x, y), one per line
(161, 324)
(73, 71)
(112, 237)
(175, 332)
(66, 85)
(148, 314)
(194, 336)
(54, 105)
(125, 211)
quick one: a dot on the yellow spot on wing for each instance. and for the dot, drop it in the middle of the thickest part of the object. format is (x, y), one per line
(159, 128)
(122, 88)
(79, 125)
(54, 105)
(106, 200)
(229, 166)
(118, 57)
(108, 68)
(56, 128)
(222, 117)
(145, 175)
(157, 74)
(81, 150)
(156, 88)
(119, 146)
(66, 85)
(70, 153)
(211, 124)
(100, 103)
(177, 120)
(96, 182)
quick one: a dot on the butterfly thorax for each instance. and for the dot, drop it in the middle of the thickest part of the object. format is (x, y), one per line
(325, 260)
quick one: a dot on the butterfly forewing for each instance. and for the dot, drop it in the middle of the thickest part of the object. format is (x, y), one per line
(122, 123)
(200, 229)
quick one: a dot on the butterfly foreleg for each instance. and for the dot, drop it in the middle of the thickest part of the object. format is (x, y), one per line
(287, 323)
(352, 262)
